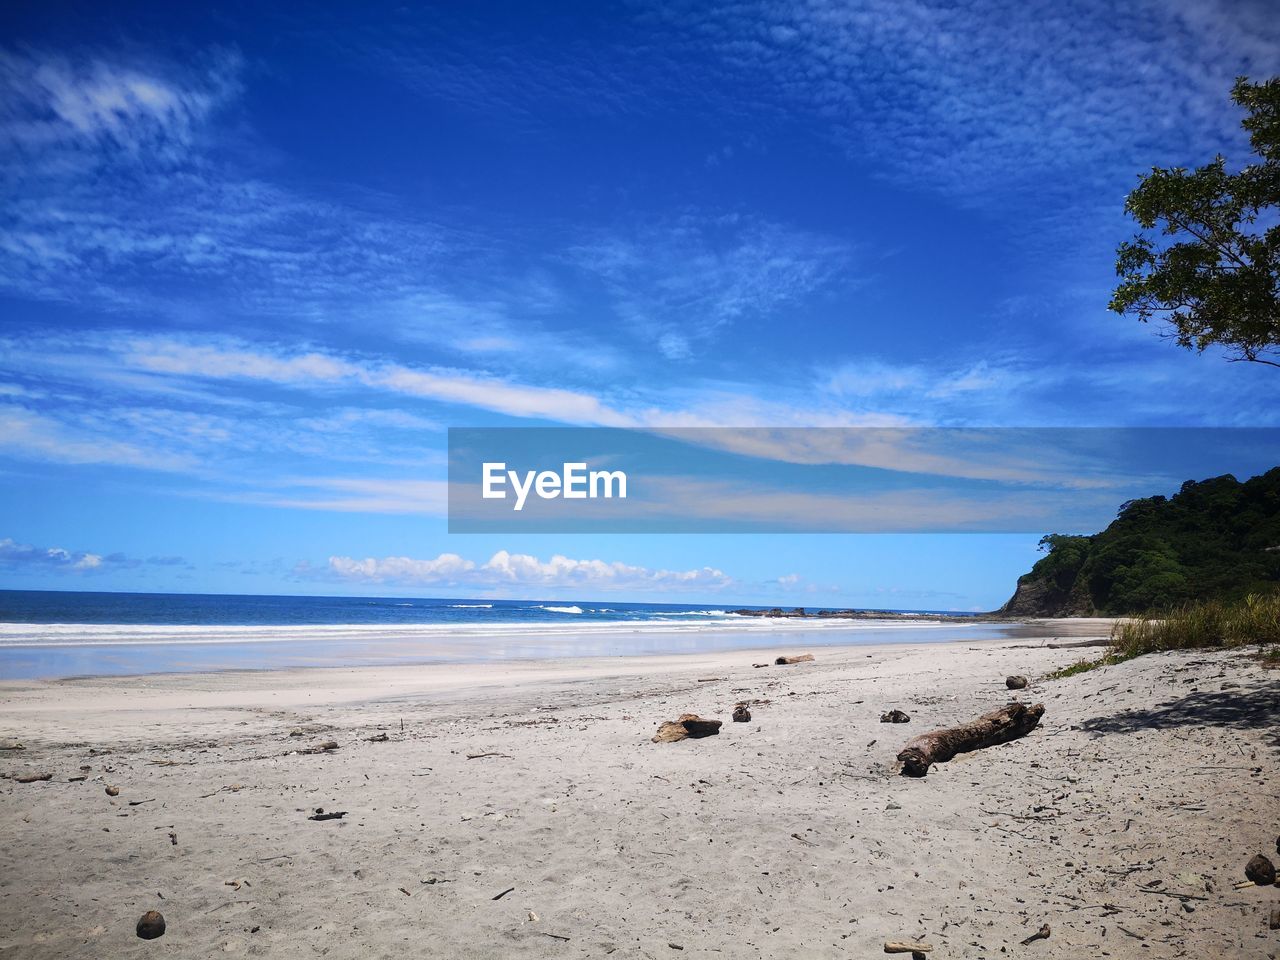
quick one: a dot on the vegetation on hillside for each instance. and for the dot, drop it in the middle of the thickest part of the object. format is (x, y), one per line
(1216, 540)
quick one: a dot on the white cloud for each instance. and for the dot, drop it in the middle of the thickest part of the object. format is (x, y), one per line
(979, 98)
(679, 283)
(15, 555)
(517, 569)
(54, 103)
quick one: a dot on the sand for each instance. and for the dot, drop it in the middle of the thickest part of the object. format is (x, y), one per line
(1122, 822)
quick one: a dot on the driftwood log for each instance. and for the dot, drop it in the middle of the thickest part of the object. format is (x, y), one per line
(938, 746)
(907, 946)
(689, 726)
(34, 777)
(802, 658)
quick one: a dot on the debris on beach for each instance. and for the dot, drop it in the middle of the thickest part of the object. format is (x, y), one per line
(1015, 682)
(321, 815)
(741, 714)
(914, 947)
(378, 738)
(327, 747)
(12, 745)
(113, 791)
(689, 726)
(895, 716)
(801, 658)
(1041, 934)
(938, 746)
(151, 925)
(1274, 922)
(1260, 870)
(34, 777)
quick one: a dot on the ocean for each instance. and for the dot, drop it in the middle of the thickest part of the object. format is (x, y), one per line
(47, 634)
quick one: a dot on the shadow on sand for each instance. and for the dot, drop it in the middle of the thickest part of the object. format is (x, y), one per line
(1248, 707)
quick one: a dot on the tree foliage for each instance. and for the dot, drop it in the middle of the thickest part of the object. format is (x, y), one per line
(1216, 539)
(1208, 263)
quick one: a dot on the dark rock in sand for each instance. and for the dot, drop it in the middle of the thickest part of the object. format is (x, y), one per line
(1015, 683)
(151, 925)
(741, 714)
(895, 716)
(1260, 870)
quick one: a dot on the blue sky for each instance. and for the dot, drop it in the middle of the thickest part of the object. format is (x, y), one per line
(256, 261)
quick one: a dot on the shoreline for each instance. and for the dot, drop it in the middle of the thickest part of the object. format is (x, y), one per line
(152, 650)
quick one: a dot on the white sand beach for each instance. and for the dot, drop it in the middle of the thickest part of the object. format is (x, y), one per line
(521, 810)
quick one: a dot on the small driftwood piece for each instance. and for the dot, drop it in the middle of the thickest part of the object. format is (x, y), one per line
(938, 746)
(1274, 922)
(1015, 683)
(801, 658)
(12, 745)
(689, 726)
(34, 777)
(333, 815)
(326, 747)
(907, 946)
(741, 714)
(895, 716)
(1041, 934)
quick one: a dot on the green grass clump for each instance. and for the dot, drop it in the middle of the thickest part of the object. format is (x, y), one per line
(1079, 667)
(1211, 623)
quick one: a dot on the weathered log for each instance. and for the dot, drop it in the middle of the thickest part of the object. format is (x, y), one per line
(801, 658)
(34, 777)
(689, 726)
(1015, 683)
(938, 746)
(906, 946)
(895, 716)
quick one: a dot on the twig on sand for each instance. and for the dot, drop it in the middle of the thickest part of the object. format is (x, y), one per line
(1041, 934)
(477, 756)
(504, 893)
(553, 936)
(1174, 893)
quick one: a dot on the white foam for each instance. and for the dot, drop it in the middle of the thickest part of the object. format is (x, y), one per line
(126, 634)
